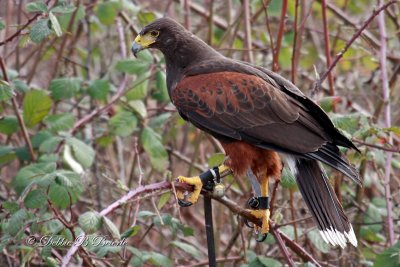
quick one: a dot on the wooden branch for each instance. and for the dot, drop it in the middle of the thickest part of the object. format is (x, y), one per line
(18, 32)
(234, 207)
(349, 43)
(327, 50)
(277, 49)
(390, 149)
(21, 122)
(388, 122)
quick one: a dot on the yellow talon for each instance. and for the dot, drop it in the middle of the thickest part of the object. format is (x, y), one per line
(224, 169)
(209, 178)
(192, 197)
(264, 216)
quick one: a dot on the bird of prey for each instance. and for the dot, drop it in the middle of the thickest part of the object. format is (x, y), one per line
(259, 118)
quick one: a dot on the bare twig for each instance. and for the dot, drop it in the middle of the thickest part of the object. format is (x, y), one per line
(64, 39)
(21, 122)
(282, 247)
(327, 50)
(277, 49)
(390, 149)
(349, 43)
(248, 56)
(120, 91)
(386, 99)
(18, 32)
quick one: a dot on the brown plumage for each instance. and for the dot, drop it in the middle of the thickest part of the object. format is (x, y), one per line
(255, 114)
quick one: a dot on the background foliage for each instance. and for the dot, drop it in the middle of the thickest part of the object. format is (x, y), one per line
(82, 122)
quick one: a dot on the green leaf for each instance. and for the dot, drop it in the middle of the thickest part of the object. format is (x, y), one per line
(160, 260)
(50, 261)
(216, 160)
(107, 11)
(90, 222)
(38, 6)
(269, 262)
(64, 88)
(40, 137)
(139, 91)
(393, 129)
(348, 123)
(63, 179)
(9, 125)
(99, 89)
(82, 152)
(6, 92)
(317, 241)
(131, 66)
(161, 93)
(50, 144)
(66, 17)
(2, 25)
(16, 222)
(7, 154)
(21, 86)
(55, 25)
(139, 107)
(163, 200)
(35, 199)
(328, 102)
(40, 30)
(29, 173)
(64, 9)
(12, 207)
(131, 232)
(70, 160)
(123, 123)
(36, 105)
(151, 142)
(59, 196)
(60, 122)
(146, 56)
(287, 179)
(111, 228)
(390, 257)
(189, 249)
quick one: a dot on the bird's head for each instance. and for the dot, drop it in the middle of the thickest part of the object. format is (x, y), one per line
(161, 34)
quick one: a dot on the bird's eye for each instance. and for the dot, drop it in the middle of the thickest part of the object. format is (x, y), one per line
(154, 33)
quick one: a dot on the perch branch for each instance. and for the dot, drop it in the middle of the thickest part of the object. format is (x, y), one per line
(234, 207)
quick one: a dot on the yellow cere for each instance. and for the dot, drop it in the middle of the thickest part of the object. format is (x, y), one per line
(145, 40)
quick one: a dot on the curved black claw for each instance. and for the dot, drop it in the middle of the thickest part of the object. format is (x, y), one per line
(262, 238)
(184, 203)
(247, 223)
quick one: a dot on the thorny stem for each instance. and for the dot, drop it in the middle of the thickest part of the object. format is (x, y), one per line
(277, 49)
(21, 122)
(386, 99)
(247, 31)
(65, 38)
(349, 43)
(327, 50)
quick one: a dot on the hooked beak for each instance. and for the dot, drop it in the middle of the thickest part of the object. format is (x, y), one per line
(136, 48)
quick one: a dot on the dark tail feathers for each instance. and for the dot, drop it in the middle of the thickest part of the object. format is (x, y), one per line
(321, 200)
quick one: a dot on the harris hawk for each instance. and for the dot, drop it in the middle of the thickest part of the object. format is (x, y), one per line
(260, 119)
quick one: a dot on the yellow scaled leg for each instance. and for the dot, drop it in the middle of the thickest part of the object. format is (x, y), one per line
(262, 214)
(186, 199)
(192, 197)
